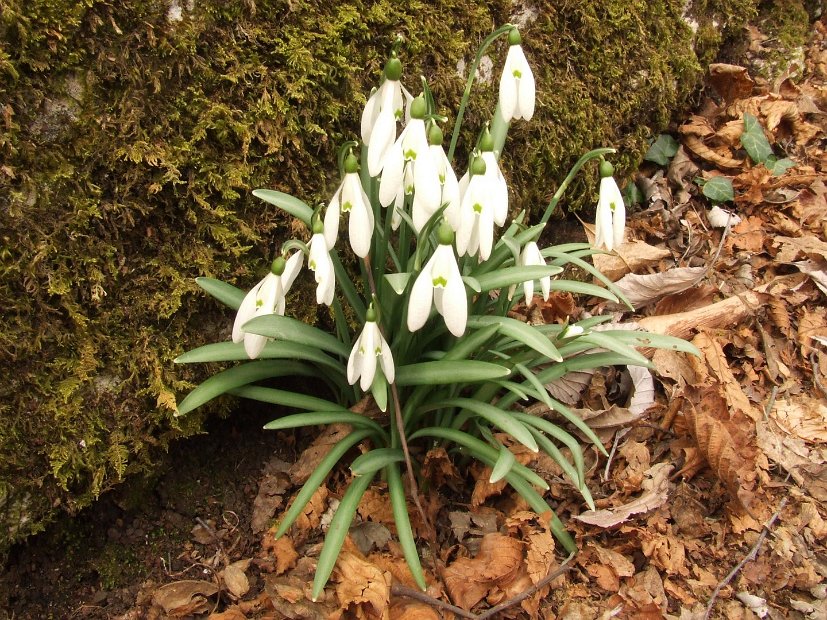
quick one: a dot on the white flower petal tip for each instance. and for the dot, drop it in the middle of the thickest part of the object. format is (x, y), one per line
(321, 264)
(369, 349)
(440, 283)
(530, 257)
(517, 86)
(610, 216)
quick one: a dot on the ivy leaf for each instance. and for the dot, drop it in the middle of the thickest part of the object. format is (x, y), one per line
(632, 194)
(662, 150)
(754, 140)
(719, 189)
(778, 166)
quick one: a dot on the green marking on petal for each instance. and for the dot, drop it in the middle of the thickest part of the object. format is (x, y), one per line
(398, 114)
(410, 154)
(517, 73)
(440, 282)
(346, 207)
(612, 205)
(259, 303)
(477, 207)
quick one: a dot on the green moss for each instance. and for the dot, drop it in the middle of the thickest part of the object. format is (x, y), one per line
(786, 23)
(130, 146)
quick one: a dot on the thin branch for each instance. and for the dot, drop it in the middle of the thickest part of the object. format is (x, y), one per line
(418, 595)
(749, 557)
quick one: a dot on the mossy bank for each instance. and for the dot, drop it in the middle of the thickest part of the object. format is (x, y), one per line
(133, 133)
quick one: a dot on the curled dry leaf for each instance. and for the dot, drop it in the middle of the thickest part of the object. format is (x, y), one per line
(236, 579)
(714, 369)
(279, 554)
(656, 492)
(315, 452)
(700, 149)
(469, 580)
(405, 609)
(731, 82)
(288, 597)
(184, 598)
(362, 587)
(629, 257)
(643, 395)
(647, 289)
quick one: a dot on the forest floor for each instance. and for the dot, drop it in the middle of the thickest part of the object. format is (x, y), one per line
(711, 503)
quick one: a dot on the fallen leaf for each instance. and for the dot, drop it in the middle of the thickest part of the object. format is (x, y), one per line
(280, 553)
(715, 368)
(697, 146)
(794, 247)
(311, 457)
(647, 289)
(236, 579)
(362, 587)
(802, 417)
(369, 535)
(629, 257)
(643, 395)
(469, 580)
(411, 610)
(731, 82)
(185, 598)
(232, 613)
(817, 270)
(656, 491)
(288, 597)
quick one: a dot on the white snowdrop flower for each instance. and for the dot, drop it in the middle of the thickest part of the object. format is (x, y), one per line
(266, 297)
(440, 282)
(476, 220)
(517, 88)
(350, 198)
(610, 217)
(321, 264)
(384, 107)
(498, 184)
(570, 331)
(450, 195)
(531, 256)
(369, 347)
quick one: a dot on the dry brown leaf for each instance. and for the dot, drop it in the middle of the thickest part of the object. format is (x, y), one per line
(235, 578)
(185, 598)
(280, 552)
(483, 488)
(802, 417)
(811, 324)
(539, 555)
(439, 469)
(363, 588)
(731, 82)
(646, 595)
(697, 126)
(375, 506)
(288, 596)
(232, 613)
(700, 149)
(643, 395)
(629, 257)
(568, 388)
(469, 580)
(310, 458)
(656, 491)
(311, 516)
(714, 368)
(272, 487)
(612, 418)
(749, 235)
(807, 466)
(715, 442)
(647, 289)
(406, 609)
(817, 270)
(609, 567)
(794, 247)
(696, 297)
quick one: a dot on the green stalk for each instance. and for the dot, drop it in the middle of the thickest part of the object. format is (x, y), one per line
(574, 170)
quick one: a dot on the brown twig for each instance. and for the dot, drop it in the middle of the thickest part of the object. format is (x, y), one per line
(400, 590)
(749, 557)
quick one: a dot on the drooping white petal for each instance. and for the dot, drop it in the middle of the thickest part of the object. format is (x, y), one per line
(419, 304)
(498, 196)
(392, 174)
(451, 195)
(386, 361)
(246, 311)
(381, 139)
(527, 92)
(528, 257)
(455, 306)
(291, 270)
(611, 215)
(517, 86)
(508, 88)
(369, 115)
(331, 216)
(360, 229)
(485, 223)
(368, 354)
(603, 234)
(254, 345)
(426, 181)
(322, 265)
(354, 362)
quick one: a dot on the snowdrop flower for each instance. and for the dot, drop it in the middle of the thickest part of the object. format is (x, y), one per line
(531, 256)
(476, 219)
(610, 218)
(384, 107)
(498, 185)
(266, 297)
(440, 281)
(450, 195)
(570, 331)
(321, 264)
(350, 198)
(409, 167)
(517, 82)
(369, 347)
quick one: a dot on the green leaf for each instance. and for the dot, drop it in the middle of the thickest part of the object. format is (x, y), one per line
(398, 281)
(379, 389)
(507, 276)
(522, 332)
(286, 202)
(503, 420)
(470, 342)
(232, 351)
(376, 459)
(317, 418)
(240, 375)
(566, 257)
(472, 283)
(583, 288)
(396, 490)
(650, 339)
(662, 150)
(505, 461)
(227, 294)
(632, 194)
(719, 189)
(339, 526)
(778, 166)
(609, 342)
(754, 140)
(285, 398)
(288, 328)
(443, 372)
(317, 478)
(480, 450)
(560, 435)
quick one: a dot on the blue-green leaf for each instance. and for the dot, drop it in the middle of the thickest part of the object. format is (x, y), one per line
(754, 140)
(318, 418)
(507, 276)
(288, 328)
(662, 150)
(227, 294)
(719, 189)
(503, 420)
(519, 331)
(232, 351)
(292, 205)
(374, 460)
(502, 467)
(446, 372)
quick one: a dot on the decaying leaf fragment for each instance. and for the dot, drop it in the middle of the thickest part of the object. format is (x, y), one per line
(646, 289)
(469, 580)
(362, 587)
(656, 491)
(185, 598)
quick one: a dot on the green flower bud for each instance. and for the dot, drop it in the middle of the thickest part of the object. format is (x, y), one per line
(351, 164)
(393, 68)
(317, 225)
(277, 268)
(606, 169)
(445, 234)
(477, 166)
(435, 135)
(486, 141)
(514, 37)
(370, 315)
(419, 108)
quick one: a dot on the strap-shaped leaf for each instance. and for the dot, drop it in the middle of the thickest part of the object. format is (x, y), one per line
(317, 478)
(232, 351)
(547, 446)
(376, 459)
(583, 288)
(240, 375)
(288, 328)
(503, 420)
(227, 294)
(567, 257)
(562, 436)
(479, 449)
(520, 331)
(285, 398)
(316, 418)
(652, 340)
(505, 461)
(507, 276)
(470, 342)
(398, 281)
(292, 205)
(339, 526)
(396, 490)
(443, 372)
(608, 341)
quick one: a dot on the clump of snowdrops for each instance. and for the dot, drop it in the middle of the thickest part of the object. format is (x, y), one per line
(441, 267)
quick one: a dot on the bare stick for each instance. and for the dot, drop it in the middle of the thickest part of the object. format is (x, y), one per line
(749, 557)
(417, 595)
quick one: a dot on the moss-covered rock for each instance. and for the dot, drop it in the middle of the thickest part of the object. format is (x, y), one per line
(131, 137)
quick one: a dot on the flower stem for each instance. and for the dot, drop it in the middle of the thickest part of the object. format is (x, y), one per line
(564, 185)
